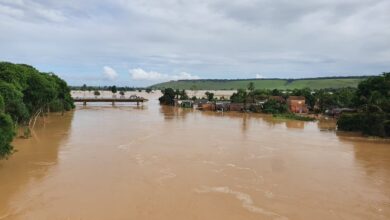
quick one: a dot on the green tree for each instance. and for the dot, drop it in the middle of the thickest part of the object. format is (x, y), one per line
(84, 88)
(260, 94)
(39, 93)
(168, 97)
(251, 93)
(274, 107)
(2, 107)
(345, 97)
(13, 102)
(96, 93)
(114, 89)
(27, 93)
(373, 102)
(239, 97)
(15, 74)
(209, 95)
(177, 94)
(183, 95)
(276, 92)
(326, 100)
(251, 86)
(63, 101)
(7, 132)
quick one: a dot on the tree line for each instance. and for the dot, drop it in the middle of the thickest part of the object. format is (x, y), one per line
(317, 101)
(169, 96)
(370, 101)
(85, 87)
(26, 94)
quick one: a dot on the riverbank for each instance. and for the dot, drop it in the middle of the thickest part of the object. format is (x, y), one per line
(295, 117)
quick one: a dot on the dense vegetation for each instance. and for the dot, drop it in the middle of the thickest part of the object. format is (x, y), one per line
(365, 108)
(274, 101)
(293, 117)
(25, 94)
(372, 99)
(109, 88)
(6, 131)
(318, 101)
(169, 96)
(281, 84)
(274, 107)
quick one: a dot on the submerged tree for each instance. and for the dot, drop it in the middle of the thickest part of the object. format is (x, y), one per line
(209, 95)
(96, 93)
(274, 107)
(168, 97)
(239, 97)
(114, 90)
(182, 95)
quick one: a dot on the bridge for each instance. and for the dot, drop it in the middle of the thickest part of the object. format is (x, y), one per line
(112, 100)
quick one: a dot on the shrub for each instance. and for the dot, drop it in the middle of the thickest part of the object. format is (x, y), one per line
(374, 124)
(7, 132)
(56, 106)
(274, 107)
(350, 122)
(294, 117)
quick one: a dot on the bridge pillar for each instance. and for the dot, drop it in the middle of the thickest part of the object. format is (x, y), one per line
(113, 103)
(137, 103)
(85, 103)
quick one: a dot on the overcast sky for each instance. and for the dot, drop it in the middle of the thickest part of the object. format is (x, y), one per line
(140, 42)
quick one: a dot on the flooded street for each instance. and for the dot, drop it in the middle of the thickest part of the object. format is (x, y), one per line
(153, 162)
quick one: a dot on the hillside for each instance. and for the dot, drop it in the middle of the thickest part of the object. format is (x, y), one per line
(313, 83)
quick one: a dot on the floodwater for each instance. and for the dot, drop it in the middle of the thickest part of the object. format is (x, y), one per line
(153, 162)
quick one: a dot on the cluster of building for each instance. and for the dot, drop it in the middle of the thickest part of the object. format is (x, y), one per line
(296, 104)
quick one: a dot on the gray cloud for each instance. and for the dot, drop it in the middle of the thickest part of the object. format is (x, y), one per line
(210, 39)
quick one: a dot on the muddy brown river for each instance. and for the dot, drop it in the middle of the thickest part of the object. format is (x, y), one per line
(162, 163)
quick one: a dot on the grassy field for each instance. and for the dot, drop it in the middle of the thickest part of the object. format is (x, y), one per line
(315, 83)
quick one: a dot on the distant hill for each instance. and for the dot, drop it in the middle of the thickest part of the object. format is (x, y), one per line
(228, 84)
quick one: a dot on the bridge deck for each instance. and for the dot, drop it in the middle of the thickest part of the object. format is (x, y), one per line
(109, 100)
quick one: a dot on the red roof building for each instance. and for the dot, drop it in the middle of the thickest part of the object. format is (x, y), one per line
(297, 104)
